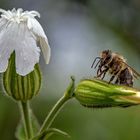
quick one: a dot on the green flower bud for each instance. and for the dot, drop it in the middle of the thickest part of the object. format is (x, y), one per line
(98, 93)
(21, 87)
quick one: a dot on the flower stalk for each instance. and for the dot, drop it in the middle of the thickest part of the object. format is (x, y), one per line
(26, 118)
(53, 113)
(58, 106)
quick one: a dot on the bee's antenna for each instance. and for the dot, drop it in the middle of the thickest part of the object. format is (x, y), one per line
(95, 61)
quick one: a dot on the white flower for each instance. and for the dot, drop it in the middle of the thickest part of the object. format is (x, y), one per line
(22, 33)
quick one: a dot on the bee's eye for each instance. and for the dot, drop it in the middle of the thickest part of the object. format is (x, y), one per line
(107, 58)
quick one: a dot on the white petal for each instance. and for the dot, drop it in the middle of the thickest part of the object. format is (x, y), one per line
(3, 23)
(3, 65)
(36, 28)
(27, 54)
(19, 11)
(4, 12)
(34, 13)
(45, 49)
(29, 24)
(13, 10)
(7, 36)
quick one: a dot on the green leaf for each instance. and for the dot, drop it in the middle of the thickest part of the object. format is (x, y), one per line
(20, 133)
(47, 134)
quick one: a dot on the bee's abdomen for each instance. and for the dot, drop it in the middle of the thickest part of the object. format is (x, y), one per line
(125, 77)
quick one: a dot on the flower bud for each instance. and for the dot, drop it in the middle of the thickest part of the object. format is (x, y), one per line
(21, 87)
(99, 94)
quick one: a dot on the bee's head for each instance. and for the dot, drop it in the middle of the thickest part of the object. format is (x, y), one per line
(106, 56)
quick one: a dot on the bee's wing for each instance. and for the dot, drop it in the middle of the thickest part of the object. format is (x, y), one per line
(136, 74)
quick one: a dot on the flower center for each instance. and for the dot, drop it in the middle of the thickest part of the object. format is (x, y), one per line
(18, 15)
(18, 18)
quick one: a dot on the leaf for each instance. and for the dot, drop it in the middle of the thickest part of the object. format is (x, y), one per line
(47, 134)
(20, 133)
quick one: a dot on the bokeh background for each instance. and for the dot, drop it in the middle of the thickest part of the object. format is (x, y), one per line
(77, 31)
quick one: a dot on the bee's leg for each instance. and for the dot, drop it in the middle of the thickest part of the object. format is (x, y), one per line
(105, 72)
(117, 81)
(111, 79)
(131, 83)
(103, 75)
(99, 71)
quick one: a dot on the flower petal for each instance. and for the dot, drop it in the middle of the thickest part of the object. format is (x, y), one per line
(3, 23)
(27, 54)
(38, 31)
(4, 12)
(46, 50)
(7, 37)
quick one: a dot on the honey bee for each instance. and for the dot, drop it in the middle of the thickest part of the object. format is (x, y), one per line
(116, 65)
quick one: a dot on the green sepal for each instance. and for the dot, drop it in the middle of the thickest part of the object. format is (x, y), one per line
(20, 133)
(95, 93)
(21, 87)
(69, 93)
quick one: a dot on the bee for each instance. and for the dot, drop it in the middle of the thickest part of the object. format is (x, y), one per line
(116, 65)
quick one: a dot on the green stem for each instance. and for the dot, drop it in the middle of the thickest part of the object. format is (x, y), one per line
(69, 94)
(53, 113)
(26, 118)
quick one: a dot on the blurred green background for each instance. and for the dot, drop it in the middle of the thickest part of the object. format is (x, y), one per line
(77, 31)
